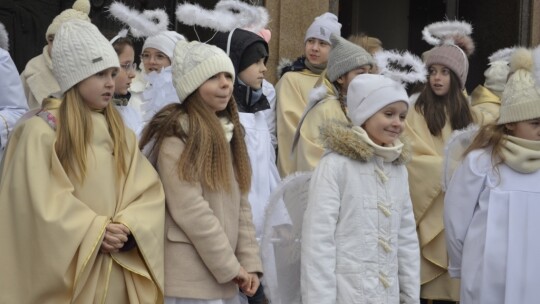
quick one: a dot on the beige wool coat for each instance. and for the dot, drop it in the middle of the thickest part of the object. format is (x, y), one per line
(208, 234)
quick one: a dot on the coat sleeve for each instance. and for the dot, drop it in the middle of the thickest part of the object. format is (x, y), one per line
(193, 215)
(318, 257)
(247, 248)
(408, 255)
(12, 100)
(460, 203)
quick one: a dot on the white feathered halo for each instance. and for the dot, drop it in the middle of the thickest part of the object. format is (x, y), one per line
(502, 55)
(226, 16)
(4, 38)
(450, 32)
(402, 67)
(145, 24)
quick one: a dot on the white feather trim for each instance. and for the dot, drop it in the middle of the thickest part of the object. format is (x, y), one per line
(536, 60)
(458, 142)
(502, 55)
(402, 67)
(441, 32)
(122, 34)
(4, 38)
(141, 25)
(227, 15)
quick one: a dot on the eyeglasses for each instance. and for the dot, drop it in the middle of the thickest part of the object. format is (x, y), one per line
(128, 67)
(159, 57)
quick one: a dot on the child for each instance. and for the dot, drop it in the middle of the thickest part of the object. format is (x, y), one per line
(37, 78)
(249, 53)
(123, 46)
(439, 109)
(198, 146)
(491, 205)
(12, 100)
(297, 80)
(327, 100)
(359, 241)
(81, 209)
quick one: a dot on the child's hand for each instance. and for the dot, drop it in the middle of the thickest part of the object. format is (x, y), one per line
(242, 277)
(252, 285)
(115, 237)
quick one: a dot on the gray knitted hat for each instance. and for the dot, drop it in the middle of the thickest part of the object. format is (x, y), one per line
(521, 97)
(323, 26)
(345, 56)
(79, 51)
(195, 62)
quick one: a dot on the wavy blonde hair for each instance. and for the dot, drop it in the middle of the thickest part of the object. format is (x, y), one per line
(207, 155)
(74, 132)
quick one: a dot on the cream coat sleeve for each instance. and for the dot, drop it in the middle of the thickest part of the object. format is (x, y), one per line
(192, 213)
(318, 259)
(247, 248)
(460, 203)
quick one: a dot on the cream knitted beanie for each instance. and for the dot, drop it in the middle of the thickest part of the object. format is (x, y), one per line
(164, 41)
(195, 62)
(521, 97)
(79, 51)
(345, 56)
(323, 26)
(79, 10)
(368, 93)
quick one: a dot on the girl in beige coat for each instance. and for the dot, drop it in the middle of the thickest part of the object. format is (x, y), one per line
(200, 154)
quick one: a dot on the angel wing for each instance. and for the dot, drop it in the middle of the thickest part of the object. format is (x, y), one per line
(459, 141)
(281, 245)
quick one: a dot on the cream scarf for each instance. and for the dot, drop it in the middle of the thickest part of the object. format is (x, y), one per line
(389, 154)
(521, 154)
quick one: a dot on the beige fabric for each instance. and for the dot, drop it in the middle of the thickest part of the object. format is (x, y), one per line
(209, 234)
(309, 148)
(38, 80)
(521, 154)
(425, 172)
(52, 226)
(292, 95)
(485, 105)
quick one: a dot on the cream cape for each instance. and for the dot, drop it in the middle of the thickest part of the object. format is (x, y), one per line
(292, 92)
(484, 105)
(425, 171)
(51, 226)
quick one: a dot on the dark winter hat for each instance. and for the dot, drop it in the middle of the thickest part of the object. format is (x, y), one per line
(243, 47)
(252, 54)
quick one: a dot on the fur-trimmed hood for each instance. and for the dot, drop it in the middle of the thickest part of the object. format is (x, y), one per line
(342, 139)
(287, 65)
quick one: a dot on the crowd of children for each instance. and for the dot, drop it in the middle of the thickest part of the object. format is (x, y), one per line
(150, 184)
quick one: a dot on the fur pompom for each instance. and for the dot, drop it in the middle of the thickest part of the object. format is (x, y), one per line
(464, 42)
(227, 15)
(82, 6)
(502, 55)
(521, 59)
(402, 67)
(4, 38)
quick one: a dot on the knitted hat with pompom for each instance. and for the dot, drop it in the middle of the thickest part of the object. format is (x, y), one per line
(79, 10)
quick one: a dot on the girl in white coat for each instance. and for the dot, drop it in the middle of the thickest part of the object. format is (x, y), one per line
(359, 242)
(492, 203)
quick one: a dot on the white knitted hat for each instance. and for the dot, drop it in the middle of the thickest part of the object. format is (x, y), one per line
(497, 72)
(164, 41)
(521, 97)
(79, 51)
(345, 56)
(368, 93)
(323, 26)
(195, 62)
(79, 10)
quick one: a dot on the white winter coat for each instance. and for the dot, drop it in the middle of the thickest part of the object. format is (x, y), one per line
(359, 241)
(493, 231)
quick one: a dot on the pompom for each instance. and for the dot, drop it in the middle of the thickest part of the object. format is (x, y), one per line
(82, 6)
(521, 59)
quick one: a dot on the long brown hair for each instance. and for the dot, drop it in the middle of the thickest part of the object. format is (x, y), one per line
(490, 135)
(435, 109)
(207, 155)
(74, 132)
